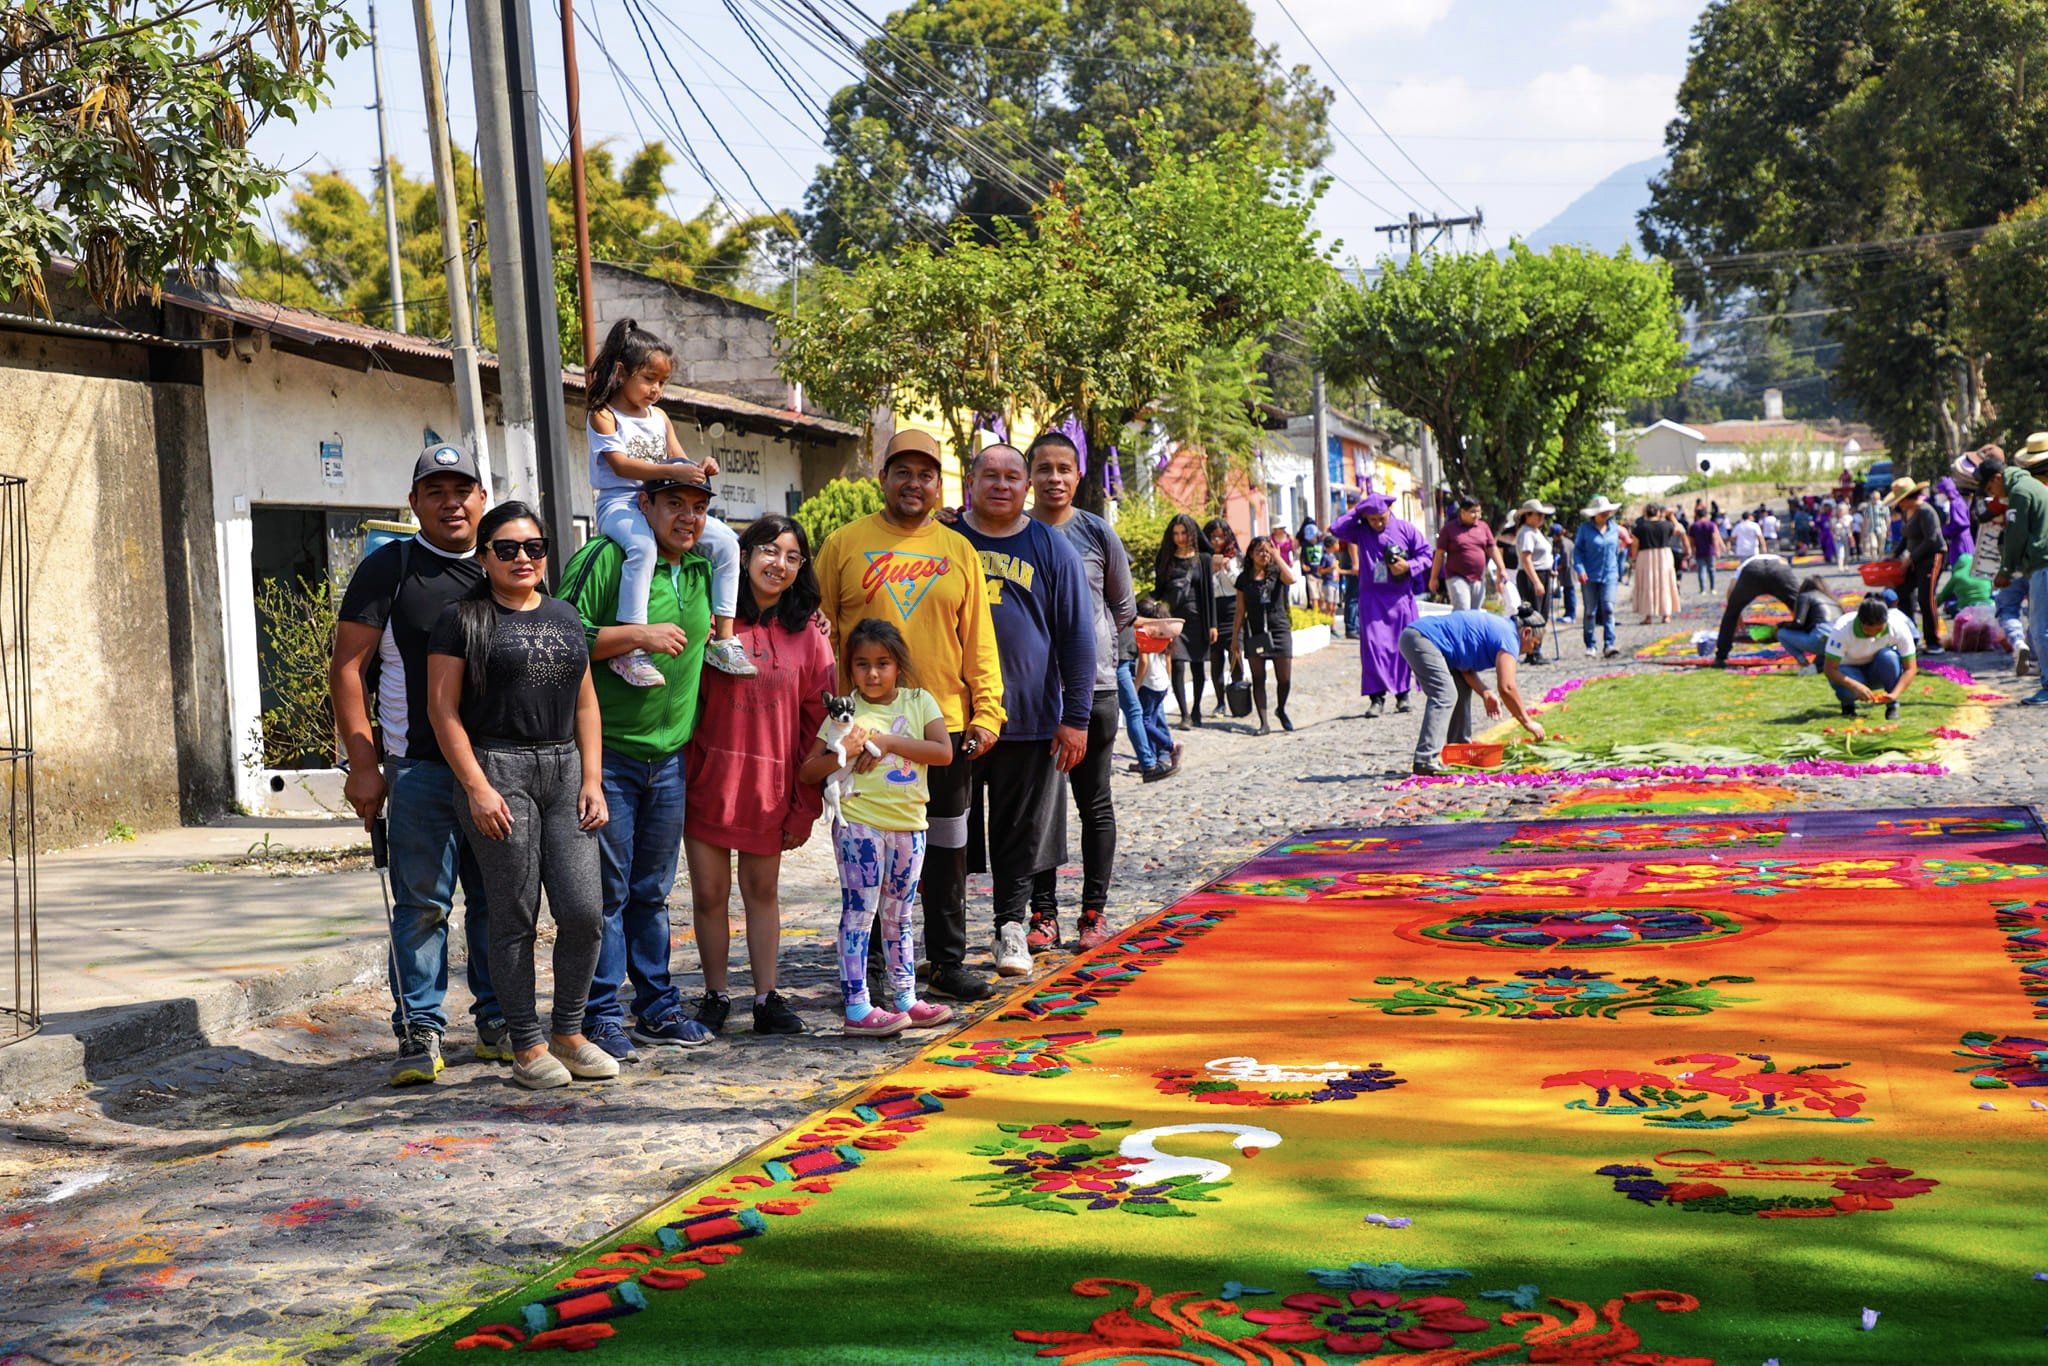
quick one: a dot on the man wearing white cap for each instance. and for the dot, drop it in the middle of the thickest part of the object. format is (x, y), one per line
(392, 603)
(926, 579)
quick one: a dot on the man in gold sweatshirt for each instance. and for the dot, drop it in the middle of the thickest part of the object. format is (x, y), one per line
(925, 579)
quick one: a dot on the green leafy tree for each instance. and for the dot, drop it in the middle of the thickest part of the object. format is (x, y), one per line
(1515, 362)
(1861, 146)
(1208, 406)
(968, 106)
(126, 127)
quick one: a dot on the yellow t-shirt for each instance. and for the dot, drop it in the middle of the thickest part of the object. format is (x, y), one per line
(891, 795)
(928, 583)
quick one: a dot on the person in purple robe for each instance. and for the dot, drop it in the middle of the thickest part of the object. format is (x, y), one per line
(1393, 571)
(1955, 519)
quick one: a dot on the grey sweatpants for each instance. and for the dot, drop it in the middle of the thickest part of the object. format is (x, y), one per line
(545, 849)
(1446, 716)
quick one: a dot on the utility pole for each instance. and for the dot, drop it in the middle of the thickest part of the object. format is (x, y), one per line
(469, 391)
(1435, 224)
(522, 258)
(384, 178)
(1319, 430)
(578, 190)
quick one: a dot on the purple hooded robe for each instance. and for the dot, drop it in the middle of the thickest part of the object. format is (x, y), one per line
(1955, 526)
(1386, 605)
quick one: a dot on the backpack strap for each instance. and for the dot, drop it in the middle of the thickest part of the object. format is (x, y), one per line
(573, 585)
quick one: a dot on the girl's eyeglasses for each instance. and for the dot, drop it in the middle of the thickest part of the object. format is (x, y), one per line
(508, 551)
(793, 558)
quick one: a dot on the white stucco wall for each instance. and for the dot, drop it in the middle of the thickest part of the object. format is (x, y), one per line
(755, 473)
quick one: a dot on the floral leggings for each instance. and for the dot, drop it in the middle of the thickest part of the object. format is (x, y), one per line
(878, 870)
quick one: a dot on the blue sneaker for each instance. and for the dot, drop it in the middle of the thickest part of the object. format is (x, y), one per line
(678, 1031)
(2039, 699)
(612, 1040)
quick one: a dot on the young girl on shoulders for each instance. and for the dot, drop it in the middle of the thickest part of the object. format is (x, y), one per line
(880, 835)
(632, 441)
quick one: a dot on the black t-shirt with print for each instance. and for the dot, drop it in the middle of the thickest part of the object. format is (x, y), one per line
(532, 678)
(401, 589)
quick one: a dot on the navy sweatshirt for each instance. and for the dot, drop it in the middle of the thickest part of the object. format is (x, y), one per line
(1045, 628)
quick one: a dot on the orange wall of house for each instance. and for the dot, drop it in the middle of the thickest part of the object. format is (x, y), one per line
(1185, 483)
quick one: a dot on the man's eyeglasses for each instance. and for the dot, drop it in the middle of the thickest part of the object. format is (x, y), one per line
(793, 558)
(508, 551)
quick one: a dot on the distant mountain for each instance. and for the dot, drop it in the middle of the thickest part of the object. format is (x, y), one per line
(1604, 217)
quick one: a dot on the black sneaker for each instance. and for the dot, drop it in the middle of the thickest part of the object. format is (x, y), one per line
(1281, 716)
(1377, 709)
(955, 983)
(1891, 711)
(1158, 773)
(1401, 702)
(773, 1016)
(1427, 771)
(713, 1010)
(419, 1058)
(493, 1041)
(1849, 710)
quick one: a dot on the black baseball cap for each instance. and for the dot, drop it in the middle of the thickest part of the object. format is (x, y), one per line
(653, 486)
(445, 457)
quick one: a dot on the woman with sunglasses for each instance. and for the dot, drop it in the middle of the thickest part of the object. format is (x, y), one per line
(743, 797)
(511, 701)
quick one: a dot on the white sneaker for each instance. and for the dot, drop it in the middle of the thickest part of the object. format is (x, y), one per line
(1592, 653)
(730, 657)
(636, 668)
(2021, 661)
(1806, 670)
(1013, 956)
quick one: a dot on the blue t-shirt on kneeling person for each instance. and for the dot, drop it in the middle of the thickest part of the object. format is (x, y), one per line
(1471, 641)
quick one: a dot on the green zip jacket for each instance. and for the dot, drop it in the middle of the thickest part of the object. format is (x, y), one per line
(644, 723)
(2024, 548)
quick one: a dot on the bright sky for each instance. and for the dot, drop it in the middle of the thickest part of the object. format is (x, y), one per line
(1515, 107)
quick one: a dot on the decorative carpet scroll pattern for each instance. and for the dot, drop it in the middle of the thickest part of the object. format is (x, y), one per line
(1429, 1097)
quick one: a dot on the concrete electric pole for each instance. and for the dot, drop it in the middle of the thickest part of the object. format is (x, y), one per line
(469, 392)
(1417, 225)
(384, 179)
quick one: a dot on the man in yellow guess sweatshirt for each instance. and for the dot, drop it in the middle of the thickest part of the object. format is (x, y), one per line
(926, 580)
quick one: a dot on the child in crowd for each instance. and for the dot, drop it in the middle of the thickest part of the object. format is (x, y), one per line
(880, 836)
(1156, 628)
(631, 441)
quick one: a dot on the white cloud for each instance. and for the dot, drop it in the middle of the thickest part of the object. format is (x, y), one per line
(1622, 15)
(1334, 23)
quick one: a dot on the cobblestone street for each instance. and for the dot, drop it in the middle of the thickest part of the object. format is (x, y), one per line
(269, 1198)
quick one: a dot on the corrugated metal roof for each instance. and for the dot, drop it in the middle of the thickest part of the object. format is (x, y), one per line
(29, 322)
(308, 327)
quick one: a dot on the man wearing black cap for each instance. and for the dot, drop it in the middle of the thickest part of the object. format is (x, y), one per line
(392, 602)
(645, 730)
(925, 578)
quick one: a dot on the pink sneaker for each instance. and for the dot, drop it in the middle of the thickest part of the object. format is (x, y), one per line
(926, 1015)
(878, 1024)
(1095, 932)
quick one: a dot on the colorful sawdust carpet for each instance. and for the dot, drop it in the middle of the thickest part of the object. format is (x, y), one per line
(1683, 1090)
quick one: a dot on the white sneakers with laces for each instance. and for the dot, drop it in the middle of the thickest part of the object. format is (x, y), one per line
(636, 668)
(1013, 956)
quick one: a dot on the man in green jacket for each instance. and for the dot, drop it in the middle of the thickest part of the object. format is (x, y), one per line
(2023, 551)
(645, 730)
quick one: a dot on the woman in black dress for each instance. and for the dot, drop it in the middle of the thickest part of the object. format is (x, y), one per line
(1182, 580)
(1264, 629)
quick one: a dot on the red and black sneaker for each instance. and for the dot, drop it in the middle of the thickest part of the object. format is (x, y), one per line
(1095, 931)
(1045, 932)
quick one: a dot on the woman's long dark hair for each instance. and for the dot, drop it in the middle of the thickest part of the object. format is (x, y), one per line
(475, 611)
(1229, 536)
(1196, 543)
(1251, 561)
(792, 612)
(627, 347)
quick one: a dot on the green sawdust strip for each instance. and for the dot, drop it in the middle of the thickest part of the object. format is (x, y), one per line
(1714, 717)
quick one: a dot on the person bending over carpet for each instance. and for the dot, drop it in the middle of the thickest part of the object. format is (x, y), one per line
(1805, 636)
(1871, 657)
(1761, 576)
(1447, 654)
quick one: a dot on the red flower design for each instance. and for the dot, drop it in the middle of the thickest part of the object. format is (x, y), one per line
(1060, 1133)
(1365, 1320)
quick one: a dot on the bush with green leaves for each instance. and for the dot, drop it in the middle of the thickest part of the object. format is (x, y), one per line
(1141, 520)
(836, 504)
(296, 728)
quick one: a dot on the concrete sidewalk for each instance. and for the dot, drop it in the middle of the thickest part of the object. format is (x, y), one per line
(142, 956)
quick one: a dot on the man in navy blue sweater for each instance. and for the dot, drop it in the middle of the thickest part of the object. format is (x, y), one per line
(1045, 633)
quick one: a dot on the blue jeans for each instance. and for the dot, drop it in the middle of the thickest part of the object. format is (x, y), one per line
(2037, 614)
(1152, 707)
(1881, 673)
(1703, 570)
(1568, 590)
(1803, 646)
(1599, 608)
(640, 846)
(1134, 715)
(2006, 603)
(619, 518)
(429, 858)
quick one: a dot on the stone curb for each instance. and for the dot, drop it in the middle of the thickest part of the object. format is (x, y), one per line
(92, 1045)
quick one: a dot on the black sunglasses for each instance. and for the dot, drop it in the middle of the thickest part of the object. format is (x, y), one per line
(508, 551)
